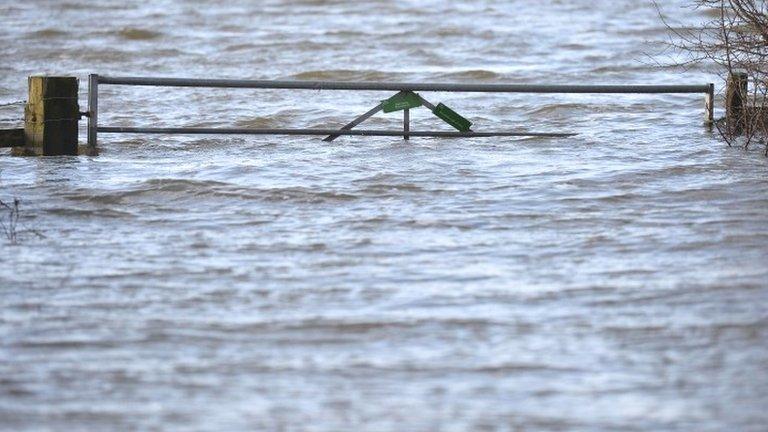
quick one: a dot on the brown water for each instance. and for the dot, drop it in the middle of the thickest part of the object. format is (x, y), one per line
(617, 280)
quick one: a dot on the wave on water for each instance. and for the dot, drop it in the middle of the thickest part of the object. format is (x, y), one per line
(137, 34)
(473, 74)
(384, 184)
(175, 190)
(48, 33)
(162, 191)
(569, 109)
(470, 75)
(343, 75)
(260, 122)
(86, 213)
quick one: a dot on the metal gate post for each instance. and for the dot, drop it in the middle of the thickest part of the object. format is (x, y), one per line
(93, 113)
(406, 124)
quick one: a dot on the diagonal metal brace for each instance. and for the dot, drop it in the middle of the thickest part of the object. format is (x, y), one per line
(357, 121)
(426, 103)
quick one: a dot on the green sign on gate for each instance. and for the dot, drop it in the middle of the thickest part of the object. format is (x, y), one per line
(401, 101)
(452, 117)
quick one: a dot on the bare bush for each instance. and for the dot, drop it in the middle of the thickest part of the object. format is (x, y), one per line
(735, 38)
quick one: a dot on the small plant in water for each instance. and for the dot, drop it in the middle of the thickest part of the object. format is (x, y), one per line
(10, 215)
(9, 219)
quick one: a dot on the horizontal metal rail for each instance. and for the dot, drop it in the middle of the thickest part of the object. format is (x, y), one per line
(323, 132)
(399, 86)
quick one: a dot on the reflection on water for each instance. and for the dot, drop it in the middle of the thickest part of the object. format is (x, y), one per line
(614, 280)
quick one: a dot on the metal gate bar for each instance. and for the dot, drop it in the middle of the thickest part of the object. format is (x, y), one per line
(352, 132)
(95, 80)
(398, 86)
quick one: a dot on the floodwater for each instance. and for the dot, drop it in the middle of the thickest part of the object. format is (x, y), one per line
(617, 280)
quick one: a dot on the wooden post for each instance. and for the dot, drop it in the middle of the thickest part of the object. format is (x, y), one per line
(736, 102)
(51, 116)
(709, 106)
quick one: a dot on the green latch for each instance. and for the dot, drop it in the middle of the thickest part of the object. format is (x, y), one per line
(401, 101)
(452, 118)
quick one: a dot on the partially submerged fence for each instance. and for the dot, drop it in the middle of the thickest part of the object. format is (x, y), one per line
(404, 99)
(52, 113)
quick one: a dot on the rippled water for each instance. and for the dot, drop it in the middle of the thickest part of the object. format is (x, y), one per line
(612, 281)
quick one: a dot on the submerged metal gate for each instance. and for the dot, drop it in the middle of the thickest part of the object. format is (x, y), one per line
(404, 100)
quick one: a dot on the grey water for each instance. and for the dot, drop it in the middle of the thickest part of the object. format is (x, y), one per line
(616, 280)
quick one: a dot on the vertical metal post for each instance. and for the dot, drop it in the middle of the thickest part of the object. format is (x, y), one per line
(709, 104)
(406, 124)
(93, 113)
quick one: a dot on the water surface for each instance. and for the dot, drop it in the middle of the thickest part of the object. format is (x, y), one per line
(616, 280)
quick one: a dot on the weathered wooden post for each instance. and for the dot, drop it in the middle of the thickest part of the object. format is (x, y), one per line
(51, 116)
(709, 106)
(736, 93)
